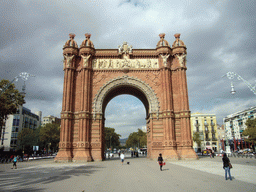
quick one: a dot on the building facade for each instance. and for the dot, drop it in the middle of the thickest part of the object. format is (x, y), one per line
(51, 119)
(235, 123)
(23, 118)
(206, 126)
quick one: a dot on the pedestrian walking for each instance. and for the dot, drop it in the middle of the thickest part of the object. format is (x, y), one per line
(160, 161)
(14, 162)
(122, 158)
(226, 166)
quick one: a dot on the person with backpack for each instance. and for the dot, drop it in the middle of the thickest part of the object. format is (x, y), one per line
(226, 166)
(14, 162)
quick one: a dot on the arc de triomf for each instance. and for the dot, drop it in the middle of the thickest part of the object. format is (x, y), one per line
(92, 77)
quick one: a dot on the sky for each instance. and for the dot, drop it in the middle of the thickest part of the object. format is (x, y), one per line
(219, 34)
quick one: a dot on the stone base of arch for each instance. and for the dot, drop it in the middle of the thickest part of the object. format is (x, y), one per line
(187, 153)
(64, 155)
(82, 155)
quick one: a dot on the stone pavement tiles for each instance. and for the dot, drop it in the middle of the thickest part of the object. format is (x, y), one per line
(141, 175)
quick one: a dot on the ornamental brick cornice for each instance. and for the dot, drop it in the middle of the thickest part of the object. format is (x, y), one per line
(67, 115)
(144, 52)
(182, 114)
(179, 50)
(70, 51)
(178, 69)
(170, 143)
(86, 51)
(163, 50)
(106, 52)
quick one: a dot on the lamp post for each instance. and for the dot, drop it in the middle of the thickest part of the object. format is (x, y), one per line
(23, 75)
(232, 75)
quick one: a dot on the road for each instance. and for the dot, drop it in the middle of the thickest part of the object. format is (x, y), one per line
(141, 174)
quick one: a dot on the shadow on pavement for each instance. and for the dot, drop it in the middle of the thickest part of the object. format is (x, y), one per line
(30, 189)
(78, 171)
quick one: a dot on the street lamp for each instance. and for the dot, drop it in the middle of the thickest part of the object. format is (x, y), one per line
(232, 75)
(23, 75)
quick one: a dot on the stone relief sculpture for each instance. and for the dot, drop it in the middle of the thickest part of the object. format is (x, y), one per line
(182, 59)
(165, 57)
(125, 63)
(85, 60)
(124, 48)
(68, 59)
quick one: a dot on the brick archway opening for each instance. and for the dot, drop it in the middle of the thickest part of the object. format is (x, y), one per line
(131, 94)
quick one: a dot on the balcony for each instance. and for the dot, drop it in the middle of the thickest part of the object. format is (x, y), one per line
(212, 124)
(214, 139)
(197, 124)
(205, 123)
(207, 139)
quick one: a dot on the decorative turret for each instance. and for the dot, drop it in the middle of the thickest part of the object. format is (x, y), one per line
(163, 47)
(71, 42)
(162, 42)
(178, 42)
(87, 42)
(178, 46)
(70, 50)
(164, 51)
(87, 47)
(179, 52)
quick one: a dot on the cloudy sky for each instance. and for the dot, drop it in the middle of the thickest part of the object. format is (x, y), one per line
(220, 36)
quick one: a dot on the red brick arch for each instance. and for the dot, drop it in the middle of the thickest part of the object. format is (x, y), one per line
(92, 77)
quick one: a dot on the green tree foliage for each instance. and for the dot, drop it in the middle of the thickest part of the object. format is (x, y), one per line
(26, 140)
(136, 139)
(10, 100)
(111, 138)
(197, 139)
(250, 131)
(49, 135)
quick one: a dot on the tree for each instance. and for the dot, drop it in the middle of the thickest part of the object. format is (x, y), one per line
(111, 138)
(137, 139)
(49, 135)
(10, 100)
(250, 131)
(197, 139)
(26, 140)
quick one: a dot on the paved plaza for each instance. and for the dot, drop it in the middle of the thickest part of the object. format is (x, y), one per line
(141, 174)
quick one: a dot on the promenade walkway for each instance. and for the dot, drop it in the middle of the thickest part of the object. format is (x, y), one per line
(141, 174)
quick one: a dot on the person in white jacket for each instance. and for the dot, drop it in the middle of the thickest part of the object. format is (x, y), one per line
(122, 158)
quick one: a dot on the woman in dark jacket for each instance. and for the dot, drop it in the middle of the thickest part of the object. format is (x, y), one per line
(226, 162)
(160, 161)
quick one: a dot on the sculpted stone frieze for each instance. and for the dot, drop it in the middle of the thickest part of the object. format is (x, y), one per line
(125, 63)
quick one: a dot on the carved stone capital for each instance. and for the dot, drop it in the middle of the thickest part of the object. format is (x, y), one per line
(179, 50)
(164, 50)
(86, 51)
(70, 51)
